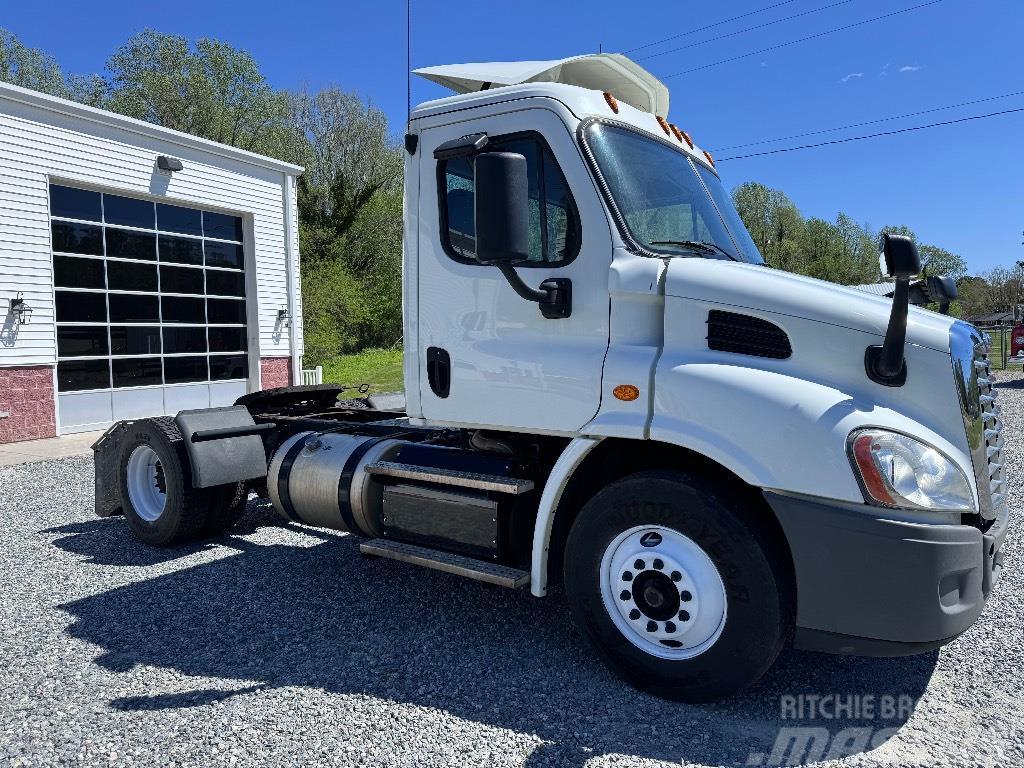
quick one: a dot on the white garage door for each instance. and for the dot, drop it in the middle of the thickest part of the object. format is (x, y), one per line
(150, 307)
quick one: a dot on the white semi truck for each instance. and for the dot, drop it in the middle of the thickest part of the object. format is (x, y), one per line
(605, 387)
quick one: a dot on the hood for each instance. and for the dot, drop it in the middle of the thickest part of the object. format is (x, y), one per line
(764, 289)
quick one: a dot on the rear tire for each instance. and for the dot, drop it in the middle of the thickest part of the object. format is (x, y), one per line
(681, 590)
(155, 485)
(227, 505)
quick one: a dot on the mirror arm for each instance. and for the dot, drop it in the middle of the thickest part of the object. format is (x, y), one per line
(554, 294)
(519, 286)
(885, 364)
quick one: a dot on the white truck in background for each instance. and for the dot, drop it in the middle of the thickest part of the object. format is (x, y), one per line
(605, 386)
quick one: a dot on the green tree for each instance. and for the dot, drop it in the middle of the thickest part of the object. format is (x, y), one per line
(30, 67)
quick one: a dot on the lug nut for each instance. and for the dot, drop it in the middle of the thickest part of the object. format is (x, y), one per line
(624, 595)
(684, 615)
(634, 615)
(670, 627)
(658, 564)
(639, 565)
(652, 626)
(685, 596)
(627, 576)
(677, 576)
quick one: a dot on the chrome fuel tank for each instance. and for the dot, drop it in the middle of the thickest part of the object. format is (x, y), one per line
(319, 479)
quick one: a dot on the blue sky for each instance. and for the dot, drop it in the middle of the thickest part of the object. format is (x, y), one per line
(961, 186)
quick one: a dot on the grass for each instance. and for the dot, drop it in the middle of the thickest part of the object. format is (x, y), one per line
(996, 355)
(380, 368)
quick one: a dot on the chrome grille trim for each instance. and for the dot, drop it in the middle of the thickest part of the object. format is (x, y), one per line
(982, 416)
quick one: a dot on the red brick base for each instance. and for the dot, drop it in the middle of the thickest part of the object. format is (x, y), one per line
(275, 372)
(27, 395)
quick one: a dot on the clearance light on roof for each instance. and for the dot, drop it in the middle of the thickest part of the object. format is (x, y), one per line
(676, 132)
(710, 158)
(687, 139)
(663, 124)
(611, 102)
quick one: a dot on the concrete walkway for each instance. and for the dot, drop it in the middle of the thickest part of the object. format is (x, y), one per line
(50, 448)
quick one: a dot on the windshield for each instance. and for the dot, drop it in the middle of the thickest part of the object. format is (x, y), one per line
(668, 203)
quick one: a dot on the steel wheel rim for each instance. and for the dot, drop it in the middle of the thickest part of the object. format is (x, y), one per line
(146, 489)
(636, 570)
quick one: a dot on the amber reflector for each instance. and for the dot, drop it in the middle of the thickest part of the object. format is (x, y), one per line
(664, 125)
(626, 392)
(611, 102)
(710, 158)
(687, 139)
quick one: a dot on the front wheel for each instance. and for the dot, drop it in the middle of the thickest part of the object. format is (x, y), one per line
(682, 591)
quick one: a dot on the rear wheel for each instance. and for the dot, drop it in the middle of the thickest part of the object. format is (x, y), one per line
(680, 589)
(155, 485)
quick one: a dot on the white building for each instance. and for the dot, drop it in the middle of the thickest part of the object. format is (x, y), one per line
(142, 270)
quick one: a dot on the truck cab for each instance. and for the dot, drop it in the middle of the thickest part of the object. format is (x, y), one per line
(607, 389)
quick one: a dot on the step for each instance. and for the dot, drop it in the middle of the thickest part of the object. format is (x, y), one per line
(495, 483)
(478, 570)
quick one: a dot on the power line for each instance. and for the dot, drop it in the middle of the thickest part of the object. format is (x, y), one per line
(872, 135)
(866, 122)
(709, 26)
(803, 39)
(744, 30)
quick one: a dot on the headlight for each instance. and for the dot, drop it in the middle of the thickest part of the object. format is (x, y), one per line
(899, 471)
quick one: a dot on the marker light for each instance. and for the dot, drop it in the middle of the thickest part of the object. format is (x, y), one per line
(687, 139)
(676, 132)
(710, 158)
(664, 125)
(898, 471)
(611, 102)
(626, 392)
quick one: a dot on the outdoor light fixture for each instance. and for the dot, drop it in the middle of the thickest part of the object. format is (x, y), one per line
(282, 318)
(165, 163)
(22, 312)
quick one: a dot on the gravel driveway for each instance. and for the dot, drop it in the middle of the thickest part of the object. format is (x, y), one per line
(279, 645)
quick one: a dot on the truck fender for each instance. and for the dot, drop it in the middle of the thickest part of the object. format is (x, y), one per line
(564, 467)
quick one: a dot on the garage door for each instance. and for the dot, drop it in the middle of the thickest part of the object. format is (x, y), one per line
(150, 307)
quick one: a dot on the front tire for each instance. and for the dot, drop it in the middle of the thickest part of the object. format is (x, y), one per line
(681, 590)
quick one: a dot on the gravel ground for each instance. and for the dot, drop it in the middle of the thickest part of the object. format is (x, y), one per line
(278, 645)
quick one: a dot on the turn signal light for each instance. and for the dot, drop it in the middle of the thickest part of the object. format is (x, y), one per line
(664, 125)
(626, 392)
(611, 102)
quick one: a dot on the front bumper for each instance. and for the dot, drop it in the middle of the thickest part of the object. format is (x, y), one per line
(872, 586)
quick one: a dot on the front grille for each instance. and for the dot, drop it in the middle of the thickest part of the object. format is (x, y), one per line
(746, 335)
(982, 417)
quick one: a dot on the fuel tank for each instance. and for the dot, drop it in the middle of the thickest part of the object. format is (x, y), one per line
(319, 479)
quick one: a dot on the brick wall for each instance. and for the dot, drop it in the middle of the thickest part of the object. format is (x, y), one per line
(275, 372)
(27, 395)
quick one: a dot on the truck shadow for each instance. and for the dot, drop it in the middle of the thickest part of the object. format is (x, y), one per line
(320, 616)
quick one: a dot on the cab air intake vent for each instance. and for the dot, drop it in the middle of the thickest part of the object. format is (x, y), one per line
(746, 335)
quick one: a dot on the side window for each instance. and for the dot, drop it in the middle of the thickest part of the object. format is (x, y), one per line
(554, 222)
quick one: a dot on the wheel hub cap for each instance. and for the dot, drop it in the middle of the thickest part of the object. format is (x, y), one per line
(147, 485)
(663, 592)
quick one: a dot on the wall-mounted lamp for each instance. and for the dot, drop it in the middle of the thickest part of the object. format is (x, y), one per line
(283, 319)
(170, 164)
(22, 312)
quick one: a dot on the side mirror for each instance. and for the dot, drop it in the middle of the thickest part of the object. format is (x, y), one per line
(502, 212)
(502, 221)
(900, 254)
(941, 288)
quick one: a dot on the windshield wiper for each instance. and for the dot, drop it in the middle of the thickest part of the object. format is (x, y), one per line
(701, 246)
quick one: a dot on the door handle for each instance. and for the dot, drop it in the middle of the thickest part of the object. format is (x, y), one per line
(439, 371)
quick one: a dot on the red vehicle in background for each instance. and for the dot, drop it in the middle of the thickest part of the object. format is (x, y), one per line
(1017, 343)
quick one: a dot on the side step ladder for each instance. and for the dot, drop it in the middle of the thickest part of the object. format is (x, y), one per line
(478, 570)
(495, 483)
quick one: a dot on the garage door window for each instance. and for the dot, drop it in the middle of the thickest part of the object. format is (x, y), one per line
(147, 294)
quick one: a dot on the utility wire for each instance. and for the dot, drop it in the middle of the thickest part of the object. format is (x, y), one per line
(708, 26)
(871, 135)
(866, 122)
(803, 39)
(744, 30)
